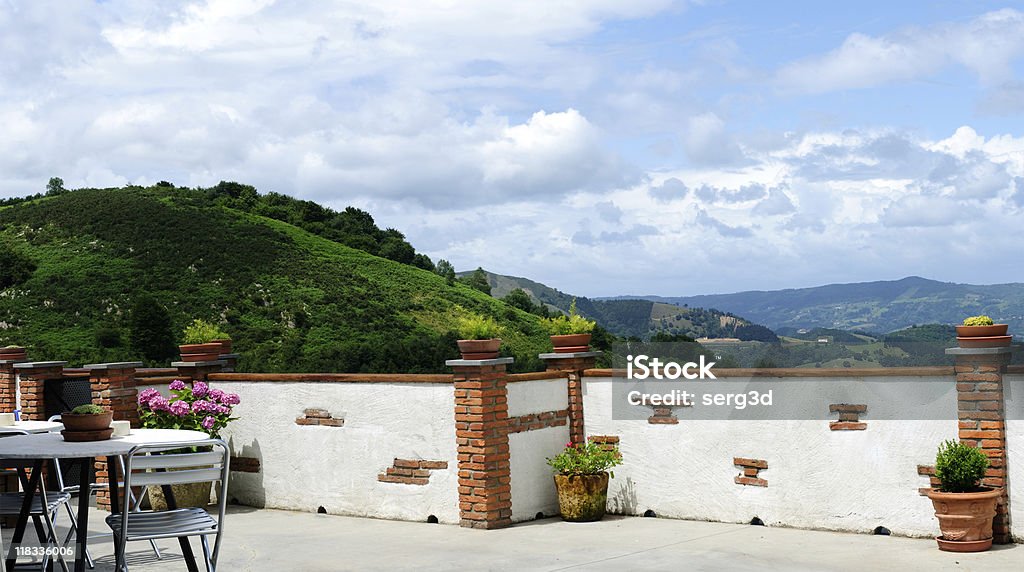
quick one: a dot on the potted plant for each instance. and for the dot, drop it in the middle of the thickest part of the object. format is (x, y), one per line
(982, 332)
(12, 353)
(479, 337)
(201, 342)
(581, 479)
(87, 419)
(570, 333)
(196, 408)
(965, 510)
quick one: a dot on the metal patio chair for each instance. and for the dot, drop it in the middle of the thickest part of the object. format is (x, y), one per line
(163, 465)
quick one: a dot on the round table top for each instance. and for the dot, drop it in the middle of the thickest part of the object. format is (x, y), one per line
(33, 426)
(53, 445)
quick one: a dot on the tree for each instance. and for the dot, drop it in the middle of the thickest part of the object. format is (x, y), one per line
(446, 270)
(151, 333)
(477, 281)
(55, 187)
(518, 298)
(15, 267)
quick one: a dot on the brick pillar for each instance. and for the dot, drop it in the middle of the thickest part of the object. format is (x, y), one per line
(982, 419)
(574, 364)
(230, 362)
(198, 370)
(113, 388)
(32, 378)
(481, 431)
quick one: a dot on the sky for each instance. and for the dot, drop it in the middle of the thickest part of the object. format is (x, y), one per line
(601, 147)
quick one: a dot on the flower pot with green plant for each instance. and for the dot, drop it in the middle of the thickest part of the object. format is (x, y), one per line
(12, 353)
(479, 337)
(201, 342)
(196, 408)
(87, 423)
(570, 333)
(965, 510)
(982, 332)
(582, 471)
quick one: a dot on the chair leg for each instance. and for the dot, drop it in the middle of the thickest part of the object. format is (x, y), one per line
(210, 566)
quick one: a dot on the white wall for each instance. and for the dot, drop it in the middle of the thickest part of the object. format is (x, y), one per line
(533, 488)
(817, 478)
(305, 467)
(1013, 393)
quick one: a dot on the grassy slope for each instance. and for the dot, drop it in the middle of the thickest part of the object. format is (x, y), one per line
(292, 301)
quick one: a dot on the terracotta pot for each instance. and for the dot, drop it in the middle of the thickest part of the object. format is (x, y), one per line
(981, 331)
(225, 346)
(13, 354)
(86, 421)
(965, 519)
(479, 349)
(571, 343)
(582, 498)
(200, 352)
(985, 342)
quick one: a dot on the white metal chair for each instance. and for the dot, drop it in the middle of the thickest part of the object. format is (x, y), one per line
(45, 505)
(159, 465)
(131, 501)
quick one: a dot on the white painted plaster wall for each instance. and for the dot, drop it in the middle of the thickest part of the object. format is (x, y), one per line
(305, 467)
(817, 478)
(1013, 393)
(533, 489)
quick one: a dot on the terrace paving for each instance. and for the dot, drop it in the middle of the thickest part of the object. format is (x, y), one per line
(260, 539)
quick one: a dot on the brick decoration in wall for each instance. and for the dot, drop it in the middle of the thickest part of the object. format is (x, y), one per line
(318, 416)
(607, 442)
(663, 416)
(751, 469)
(245, 465)
(933, 481)
(410, 471)
(849, 417)
(533, 421)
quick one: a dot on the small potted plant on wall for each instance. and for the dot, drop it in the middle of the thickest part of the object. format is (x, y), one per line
(965, 510)
(582, 471)
(982, 332)
(570, 333)
(201, 342)
(12, 353)
(479, 337)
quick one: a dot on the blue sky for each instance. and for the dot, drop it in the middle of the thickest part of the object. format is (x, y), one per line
(601, 147)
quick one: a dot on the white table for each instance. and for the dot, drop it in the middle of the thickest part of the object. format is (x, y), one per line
(44, 446)
(33, 426)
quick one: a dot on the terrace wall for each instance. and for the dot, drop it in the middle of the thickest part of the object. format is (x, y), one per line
(1014, 400)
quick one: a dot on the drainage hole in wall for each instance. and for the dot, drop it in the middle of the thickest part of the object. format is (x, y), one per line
(432, 519)
(882, 531)
(756, 521)
(650, 514)
(321, 510)
(539, 516)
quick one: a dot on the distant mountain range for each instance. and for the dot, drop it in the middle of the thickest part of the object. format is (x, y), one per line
(882, 306)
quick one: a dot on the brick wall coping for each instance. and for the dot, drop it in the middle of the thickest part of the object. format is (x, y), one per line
(11, 361)
(536, 376)
(978, 351)
(478, 362)
(113, 365)
(333, 377)
(183, 364)
(39, 364)
(809, 372)
(569, 355)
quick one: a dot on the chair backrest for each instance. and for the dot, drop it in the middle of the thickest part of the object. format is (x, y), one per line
(164, 464)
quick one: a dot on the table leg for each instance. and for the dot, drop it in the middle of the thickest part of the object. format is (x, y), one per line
(112, 472)
(26, 507)
(37, 520)
(85, 478)
(186, 548)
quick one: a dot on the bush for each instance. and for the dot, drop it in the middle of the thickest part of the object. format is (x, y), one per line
(572, 324)
(959, 467)
(978, 321)
(202, 332)
(477, 327)
(585, 459)
(88, 409)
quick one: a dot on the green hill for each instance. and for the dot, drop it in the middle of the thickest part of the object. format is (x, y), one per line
(292, 298)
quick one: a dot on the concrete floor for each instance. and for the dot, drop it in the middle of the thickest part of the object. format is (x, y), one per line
(280, 540)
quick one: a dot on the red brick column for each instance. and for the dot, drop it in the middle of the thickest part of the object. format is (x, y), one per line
(982, 419)
(32, 378)
(113, 388)
(481, 431)
(574, 364)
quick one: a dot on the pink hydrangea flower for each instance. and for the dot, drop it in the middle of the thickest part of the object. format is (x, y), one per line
(177, 385)
(208, 422)
(179, 408)
(200, 389)
(231, 399)
(216, 395)
(146, 395)
(159, 403)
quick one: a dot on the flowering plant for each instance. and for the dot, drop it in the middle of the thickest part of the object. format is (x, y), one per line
(587, 458)
(198, 408)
